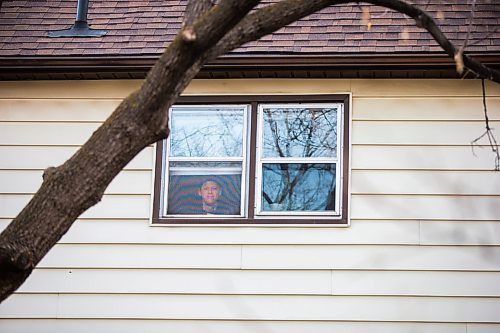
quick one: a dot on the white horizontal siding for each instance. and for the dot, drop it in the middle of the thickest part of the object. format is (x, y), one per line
(465, 158)
(40, 157)
(111, 206)
(406, 232)
(49, 134)
(143, 256)
(253, 307)
(460, 232)
(423, 207)
(28, 182)
(225, 326)
(362, 206)
(483, 328)
(392, 257)
(369, 88)
(63, 110)
(425, 182)
(63, 89)
(424, 108)
(363, 232)
(422, 283)
(360, 88)
(272, 282)
(177, 281)
(138, 231)
(371, 257)
(40, 306)
(411, 132)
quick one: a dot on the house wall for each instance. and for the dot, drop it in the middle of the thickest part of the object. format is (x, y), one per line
(422, 253)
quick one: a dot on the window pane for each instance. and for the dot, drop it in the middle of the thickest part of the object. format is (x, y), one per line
(298, 187)
(204, 194)
(300, 132)
(206, 131)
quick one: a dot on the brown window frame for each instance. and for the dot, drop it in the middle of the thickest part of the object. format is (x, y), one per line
(250, 219)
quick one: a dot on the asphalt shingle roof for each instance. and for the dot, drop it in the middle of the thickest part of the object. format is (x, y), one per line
(136, 28)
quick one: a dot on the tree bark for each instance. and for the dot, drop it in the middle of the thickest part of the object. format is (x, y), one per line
(194, 9)
(141, 119)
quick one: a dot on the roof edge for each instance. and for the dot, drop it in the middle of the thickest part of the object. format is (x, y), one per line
(274, 60)
(31, 67)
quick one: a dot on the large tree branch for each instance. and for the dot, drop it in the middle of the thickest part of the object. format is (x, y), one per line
(67, 191)
(425, 21)
(267, 20)
(194, 9)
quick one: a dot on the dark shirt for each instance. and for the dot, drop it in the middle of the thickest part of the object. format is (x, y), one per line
(220, 209)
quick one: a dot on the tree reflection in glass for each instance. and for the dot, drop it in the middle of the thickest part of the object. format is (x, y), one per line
(300, 132)
(206, 132)
(299, 158)
(298, 187)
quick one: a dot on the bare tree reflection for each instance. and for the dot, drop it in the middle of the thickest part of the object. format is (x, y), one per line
(299, 187)
(207, 134)
(294, 132)
(299, 133)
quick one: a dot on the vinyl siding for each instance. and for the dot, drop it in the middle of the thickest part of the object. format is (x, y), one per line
(421, 254)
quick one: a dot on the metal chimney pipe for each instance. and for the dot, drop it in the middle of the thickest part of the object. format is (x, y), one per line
(80, 28)
(82, 8)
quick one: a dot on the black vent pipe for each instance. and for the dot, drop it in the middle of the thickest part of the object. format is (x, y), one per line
(82, 10)
(80, 28)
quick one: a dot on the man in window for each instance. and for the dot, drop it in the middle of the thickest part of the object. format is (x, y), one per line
(210, 193)
(204, 195)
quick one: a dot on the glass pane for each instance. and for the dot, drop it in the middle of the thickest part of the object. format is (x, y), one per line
(300, 132)
(206, 132)
(298, 187)
(204, 194)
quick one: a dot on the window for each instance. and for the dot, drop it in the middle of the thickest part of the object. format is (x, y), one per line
(254, 160)
(206, 154)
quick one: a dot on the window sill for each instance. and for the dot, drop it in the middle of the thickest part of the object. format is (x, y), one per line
(252, 222)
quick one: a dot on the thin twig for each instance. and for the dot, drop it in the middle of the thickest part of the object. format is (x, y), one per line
(466, 72)
(426, 7)
(488, 35)
(488, 133)
(469, 28)
(374, 17)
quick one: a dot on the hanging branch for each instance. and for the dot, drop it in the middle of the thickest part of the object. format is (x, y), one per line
(488, 133)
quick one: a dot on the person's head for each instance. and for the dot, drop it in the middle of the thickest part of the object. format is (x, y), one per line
(210, 192)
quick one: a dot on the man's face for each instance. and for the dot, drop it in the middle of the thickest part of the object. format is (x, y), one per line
(209, 192)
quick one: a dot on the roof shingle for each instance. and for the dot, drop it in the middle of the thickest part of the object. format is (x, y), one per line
(136, 28)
